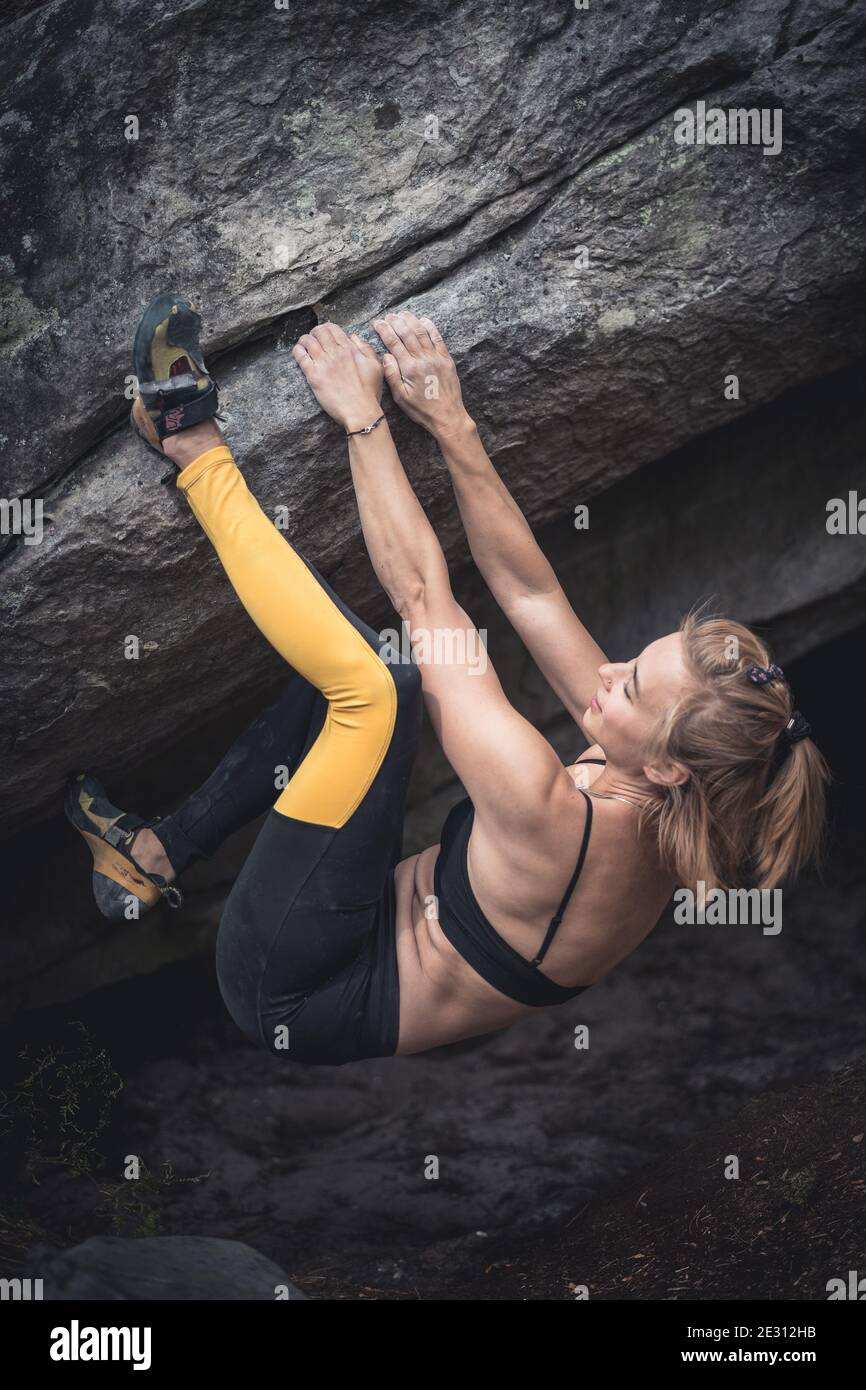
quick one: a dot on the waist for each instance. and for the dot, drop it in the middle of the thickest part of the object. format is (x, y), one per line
(442, 998)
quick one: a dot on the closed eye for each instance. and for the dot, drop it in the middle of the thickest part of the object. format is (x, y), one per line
(625, 687)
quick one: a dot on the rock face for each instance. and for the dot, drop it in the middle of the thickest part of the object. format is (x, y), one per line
(165, 1267)
(333, 160)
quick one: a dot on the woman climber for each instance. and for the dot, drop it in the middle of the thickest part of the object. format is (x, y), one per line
(333, 947)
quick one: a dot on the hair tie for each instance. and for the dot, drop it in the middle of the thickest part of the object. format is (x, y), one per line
(796, 728)
(762, 675)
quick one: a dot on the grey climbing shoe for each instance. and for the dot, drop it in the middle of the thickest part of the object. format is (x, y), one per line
(109, 833)
(175, 388)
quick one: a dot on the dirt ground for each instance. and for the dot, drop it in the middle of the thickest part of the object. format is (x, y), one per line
(419, 1176)
(787, 1224)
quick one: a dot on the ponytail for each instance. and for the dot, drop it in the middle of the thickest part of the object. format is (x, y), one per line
(790, 817)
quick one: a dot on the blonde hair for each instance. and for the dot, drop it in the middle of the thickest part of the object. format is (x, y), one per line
(740, 809)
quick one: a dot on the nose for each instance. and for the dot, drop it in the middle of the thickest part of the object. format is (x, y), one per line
(609, 672)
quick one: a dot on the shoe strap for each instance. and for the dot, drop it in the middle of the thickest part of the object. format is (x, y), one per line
(120, 832)
(185, 414)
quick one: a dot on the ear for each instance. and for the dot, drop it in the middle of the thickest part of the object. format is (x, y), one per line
(667, 774)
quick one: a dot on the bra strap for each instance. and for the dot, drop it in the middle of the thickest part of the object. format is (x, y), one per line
(551, 930)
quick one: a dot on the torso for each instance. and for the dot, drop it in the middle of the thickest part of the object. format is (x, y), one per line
(618, 899)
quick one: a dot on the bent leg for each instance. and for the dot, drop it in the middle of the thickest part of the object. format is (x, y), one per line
(306, 961)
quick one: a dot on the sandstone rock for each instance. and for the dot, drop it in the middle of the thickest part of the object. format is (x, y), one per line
(281, 175)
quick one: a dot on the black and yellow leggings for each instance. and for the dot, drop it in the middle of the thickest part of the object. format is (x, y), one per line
(306, 957)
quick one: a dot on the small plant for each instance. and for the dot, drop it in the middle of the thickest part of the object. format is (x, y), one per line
(18, 1232)
(59, 1105)
(131, 1207)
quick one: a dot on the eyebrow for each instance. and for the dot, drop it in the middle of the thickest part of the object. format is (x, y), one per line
(634, 677)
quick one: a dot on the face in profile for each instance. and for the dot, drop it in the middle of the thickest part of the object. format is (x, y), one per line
(632, 696)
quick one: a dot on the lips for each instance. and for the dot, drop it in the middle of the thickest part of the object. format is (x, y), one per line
(595, 706)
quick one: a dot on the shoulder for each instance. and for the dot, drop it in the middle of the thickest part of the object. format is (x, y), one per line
(533, 819)
(514, 871)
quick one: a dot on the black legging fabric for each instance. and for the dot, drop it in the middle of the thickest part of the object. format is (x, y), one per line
(306, 952)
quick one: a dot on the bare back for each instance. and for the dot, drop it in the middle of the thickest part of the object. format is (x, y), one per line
(518, 882)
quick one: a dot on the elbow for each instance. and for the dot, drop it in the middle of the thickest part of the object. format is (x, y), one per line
(426, 584)
(410, 599)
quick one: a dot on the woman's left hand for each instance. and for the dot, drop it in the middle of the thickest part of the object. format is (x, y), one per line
(344, 372)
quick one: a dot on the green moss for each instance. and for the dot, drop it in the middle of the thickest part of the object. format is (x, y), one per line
(799, 1186)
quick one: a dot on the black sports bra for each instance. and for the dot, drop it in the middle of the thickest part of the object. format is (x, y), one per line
(469, 931)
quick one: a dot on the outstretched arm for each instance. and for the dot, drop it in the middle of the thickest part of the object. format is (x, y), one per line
(508, 768)
(346, 376)
(520, 576)
(424, 383)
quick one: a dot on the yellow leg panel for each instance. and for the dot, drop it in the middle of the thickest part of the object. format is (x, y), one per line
(298, 618)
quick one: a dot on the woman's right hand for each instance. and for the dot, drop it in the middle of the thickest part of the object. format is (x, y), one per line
(421, 373)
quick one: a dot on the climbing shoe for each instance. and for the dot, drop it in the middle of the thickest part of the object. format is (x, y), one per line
(109, 832)
(175, 388)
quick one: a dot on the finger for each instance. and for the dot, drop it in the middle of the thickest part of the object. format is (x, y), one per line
(392, 340)
(405, 332)
(417, 327)
(433, 333)
(369, 354)
(330, 335)
(392, 375)
(311, 346)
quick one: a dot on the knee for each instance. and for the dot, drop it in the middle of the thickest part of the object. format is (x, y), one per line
(376, 678)
(365, 698)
